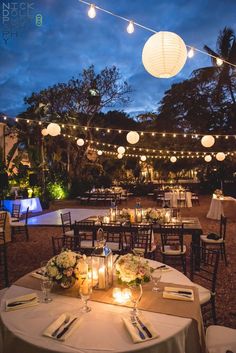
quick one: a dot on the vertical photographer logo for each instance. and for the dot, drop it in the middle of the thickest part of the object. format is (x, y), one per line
(17, 17)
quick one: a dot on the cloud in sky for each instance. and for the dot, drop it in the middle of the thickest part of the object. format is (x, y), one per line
(69, 41)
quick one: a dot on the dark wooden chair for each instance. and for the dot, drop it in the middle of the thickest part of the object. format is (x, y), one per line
(142, 240)
(3, 218)
(114, 235)
(85, 233)
(62, 243)
(21, 227)
(220, 243)
(67, 227)
(207, 274)
(172, 245)
(3, 265)
(15, 213)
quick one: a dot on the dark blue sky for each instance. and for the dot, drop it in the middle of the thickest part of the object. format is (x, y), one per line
(69, 41)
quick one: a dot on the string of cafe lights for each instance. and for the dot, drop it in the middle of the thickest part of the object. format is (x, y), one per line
(122, 131)
(131, 27)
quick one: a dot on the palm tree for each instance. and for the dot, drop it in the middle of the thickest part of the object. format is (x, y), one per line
(221, 72)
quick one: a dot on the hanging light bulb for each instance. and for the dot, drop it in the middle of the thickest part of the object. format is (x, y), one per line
(99, 152)
(44, 132)
(130, 27)
(190, 53)
(120, 156)
(132, 137)
(219, 61)
(208, 158)
(80, 142)
(121, 150)
(173, 159)
(208, 141)
(92, 11)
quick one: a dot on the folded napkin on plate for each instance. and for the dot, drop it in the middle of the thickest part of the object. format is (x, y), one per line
(38, 274)
(133, 331)
(21, 302)
(180, 293)
(62, 322)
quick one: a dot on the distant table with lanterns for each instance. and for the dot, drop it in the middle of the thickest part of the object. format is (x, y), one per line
(100, 331)
(222, 206)
(103, 195)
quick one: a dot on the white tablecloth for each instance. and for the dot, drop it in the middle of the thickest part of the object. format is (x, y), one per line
(174, 195)
(218, 205)
(33, 204)
(101, 330)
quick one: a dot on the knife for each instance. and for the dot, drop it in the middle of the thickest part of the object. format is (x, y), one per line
(65, 329)
(179, 292)
(162, 266)
(144, 328)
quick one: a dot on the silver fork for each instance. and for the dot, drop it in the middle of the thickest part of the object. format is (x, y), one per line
(67, 319)
(135, 324)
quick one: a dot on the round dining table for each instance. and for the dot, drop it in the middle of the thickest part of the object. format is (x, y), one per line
(101, 330)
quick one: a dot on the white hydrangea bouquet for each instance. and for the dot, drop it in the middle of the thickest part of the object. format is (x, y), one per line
(154, 214)
(64, 268)
(131, 269)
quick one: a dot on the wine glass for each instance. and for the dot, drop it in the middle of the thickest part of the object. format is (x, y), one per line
(46, 286)
(136, 292)
(85, 291)
(156, 277)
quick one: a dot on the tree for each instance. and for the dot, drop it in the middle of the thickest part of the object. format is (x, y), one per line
(224, 74)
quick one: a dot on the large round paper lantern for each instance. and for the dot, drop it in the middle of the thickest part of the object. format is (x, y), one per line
(53, 129)
(220, 156)
(208, 158)
(99, 152)
(173, 159)
(44, 132)
(80, 142)
(132, 137)
(121, 150)
(208, 141)
(164, 54)
(143, 158)
(120, 156)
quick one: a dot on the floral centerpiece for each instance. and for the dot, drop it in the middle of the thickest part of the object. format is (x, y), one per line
(218, 193)
(131, 269)
(125, 213)
(64, 268)
(154, 214)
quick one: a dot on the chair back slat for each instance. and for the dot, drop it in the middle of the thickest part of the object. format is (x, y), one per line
(15, 213)
(171, 235)
(66, 221)
(223, 224)
(64, 242)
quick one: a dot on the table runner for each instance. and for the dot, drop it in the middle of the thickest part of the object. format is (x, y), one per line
(150, 301)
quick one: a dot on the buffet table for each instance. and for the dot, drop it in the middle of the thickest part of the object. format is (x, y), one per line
(101, 330)
(222, 206)
(33, 204)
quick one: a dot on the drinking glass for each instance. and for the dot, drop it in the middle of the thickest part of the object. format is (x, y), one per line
(46, 286)
(137, 292)
(156, 277)
(85, 291)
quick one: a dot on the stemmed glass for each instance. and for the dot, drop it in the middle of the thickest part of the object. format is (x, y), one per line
(85, 291)
(137, 292)
(156, 277)
(46, 286)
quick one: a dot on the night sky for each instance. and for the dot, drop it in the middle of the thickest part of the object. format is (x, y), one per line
(35, 57)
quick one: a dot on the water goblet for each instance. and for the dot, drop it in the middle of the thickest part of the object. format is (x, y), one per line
(156, 277)
(46, 286)
(136, 295)
(85, 290)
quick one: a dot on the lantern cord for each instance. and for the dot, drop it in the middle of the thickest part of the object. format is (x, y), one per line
(153, 31)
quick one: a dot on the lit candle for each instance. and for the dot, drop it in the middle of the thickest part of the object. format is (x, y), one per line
(101, 277)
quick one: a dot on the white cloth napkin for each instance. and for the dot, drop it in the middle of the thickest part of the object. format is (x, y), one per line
(24, 301)
(172, 293)
(134, 332)
(60, 321)
(38, 274)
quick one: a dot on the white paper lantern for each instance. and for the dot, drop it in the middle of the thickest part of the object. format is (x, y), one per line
(99, 152)
(164, 54)
(80, 142)
(208, 158)
(208, 141)
(120, 156)
(121, 150)
(173, 159)
(220, 156)
(53, 129)
(132, 137)
(143, 158)
(44, 132)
